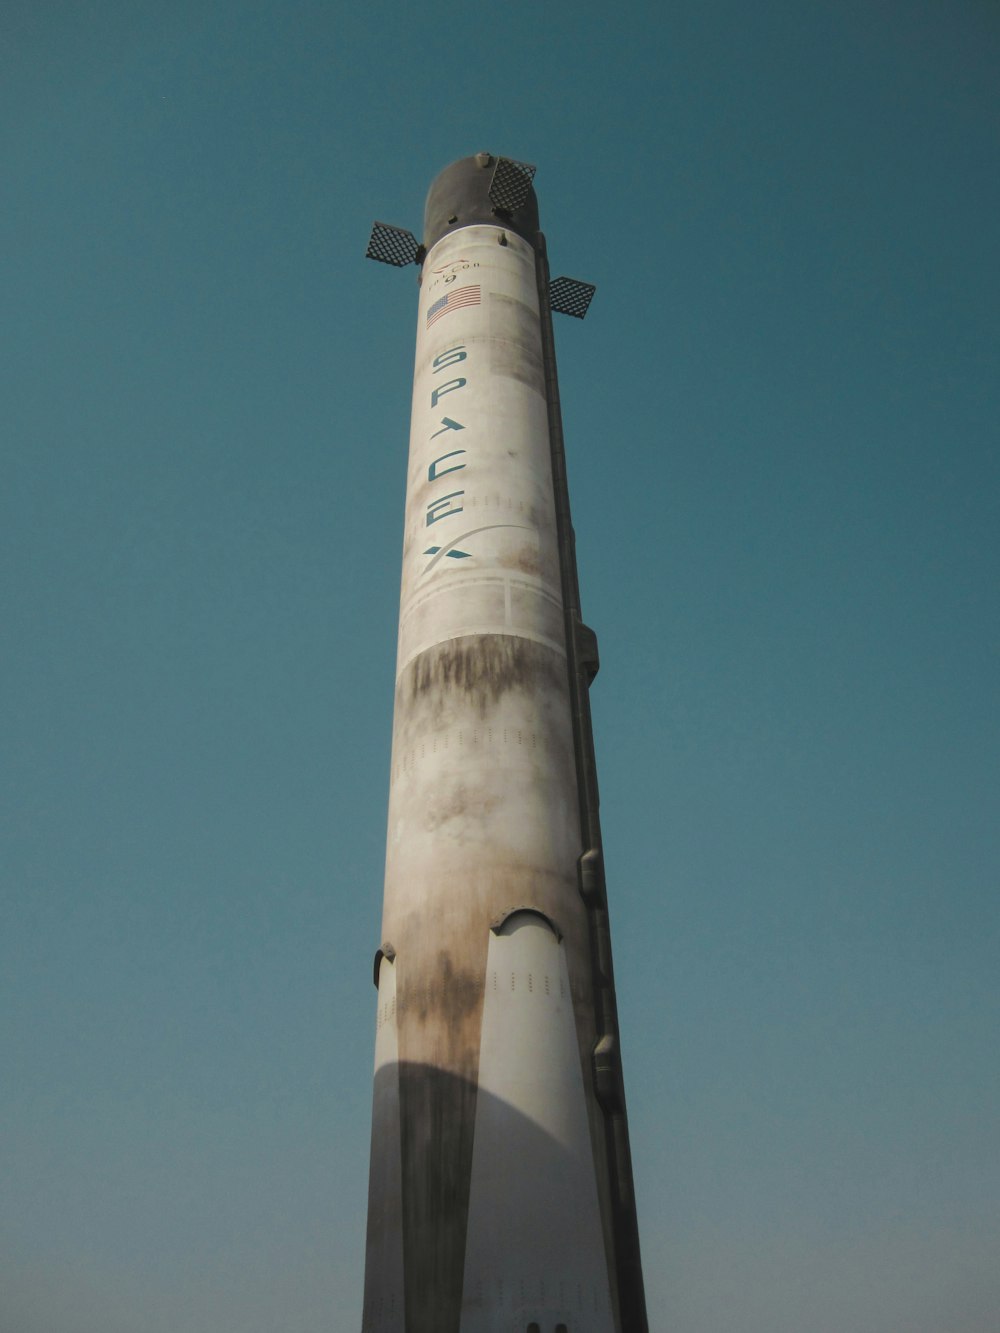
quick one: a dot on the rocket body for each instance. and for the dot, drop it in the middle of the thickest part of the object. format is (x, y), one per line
(491, 1205)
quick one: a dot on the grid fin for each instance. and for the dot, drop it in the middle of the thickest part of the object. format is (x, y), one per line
(510, 184)
(392, 245)
(569, 296)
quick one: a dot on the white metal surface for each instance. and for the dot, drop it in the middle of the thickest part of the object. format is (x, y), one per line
(534, 1248)
(483, 820)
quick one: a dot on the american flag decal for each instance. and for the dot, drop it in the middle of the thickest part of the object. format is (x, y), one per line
(453, 301)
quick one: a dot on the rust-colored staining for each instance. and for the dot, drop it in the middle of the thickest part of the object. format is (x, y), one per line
(483, 667)
(524, 560)
(459, 802)
(515, 348)
(447, 1004)
(462, 996)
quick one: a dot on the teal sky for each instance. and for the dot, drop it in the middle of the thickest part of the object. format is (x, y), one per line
(782, 417)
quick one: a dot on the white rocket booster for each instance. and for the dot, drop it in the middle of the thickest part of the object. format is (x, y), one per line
(500, 1195)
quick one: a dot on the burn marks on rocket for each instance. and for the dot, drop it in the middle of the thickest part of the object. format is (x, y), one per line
(489, 1178)
(515, 348)
(483, 667)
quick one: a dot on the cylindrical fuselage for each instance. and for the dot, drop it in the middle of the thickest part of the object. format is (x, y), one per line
(489, 1187)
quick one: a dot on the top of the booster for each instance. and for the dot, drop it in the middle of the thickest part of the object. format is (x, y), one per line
(483, 189)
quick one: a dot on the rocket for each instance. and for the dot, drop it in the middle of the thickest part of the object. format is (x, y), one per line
(500, 1186)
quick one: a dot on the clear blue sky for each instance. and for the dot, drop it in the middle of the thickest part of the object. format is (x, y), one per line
(782, 415)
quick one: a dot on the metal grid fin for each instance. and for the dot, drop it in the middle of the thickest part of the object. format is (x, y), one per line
(568, 296)
(392, 245)
(510, 184)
